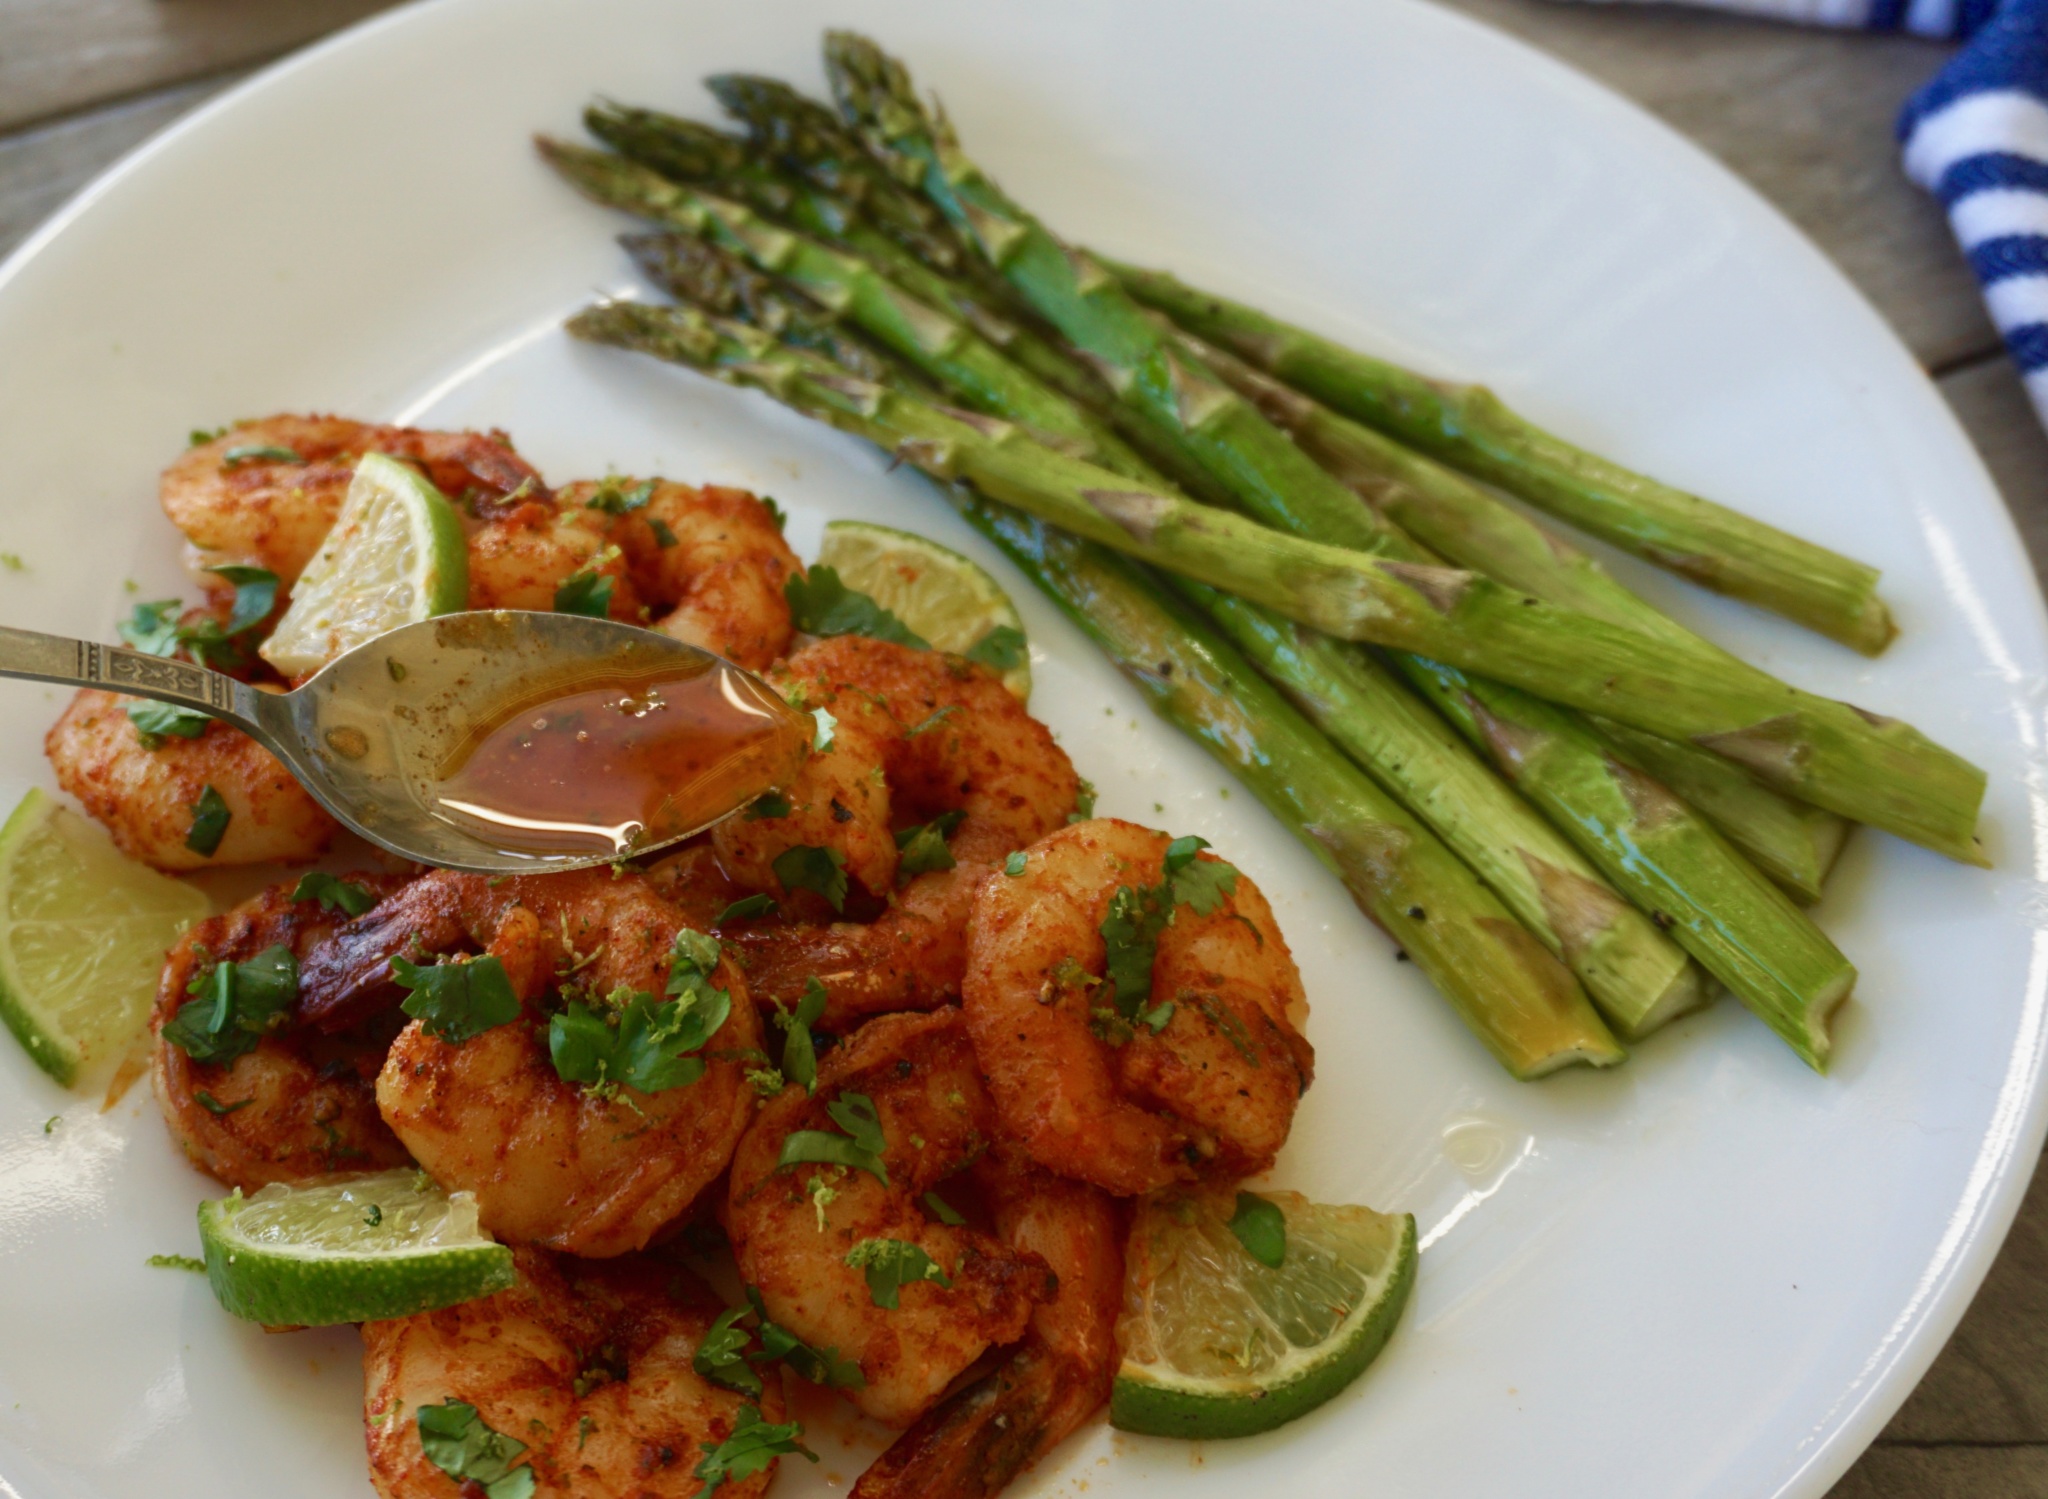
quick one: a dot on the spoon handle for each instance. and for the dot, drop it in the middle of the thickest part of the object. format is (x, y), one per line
(86, 663)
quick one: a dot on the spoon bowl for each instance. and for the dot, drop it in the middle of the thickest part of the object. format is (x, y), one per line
(376, 734)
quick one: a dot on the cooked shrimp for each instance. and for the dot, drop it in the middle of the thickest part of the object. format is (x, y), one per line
(301, 1104)
(146, 797)
(793, 1227)
(588, 1365)
(594, 1172)
(274, 511)
(519, 559)
(973, 1443)
(951, 740)
(1210, 1089)
(710, 562)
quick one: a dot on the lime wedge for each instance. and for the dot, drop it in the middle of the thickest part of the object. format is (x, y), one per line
(396, 554)
(82, 937)
(1217, 1344)
(348, 1249)
(948, 599)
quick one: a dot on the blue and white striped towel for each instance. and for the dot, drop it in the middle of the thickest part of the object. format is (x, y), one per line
(1977, 138)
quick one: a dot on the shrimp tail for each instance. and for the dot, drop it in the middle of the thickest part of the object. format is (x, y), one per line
(976, 1441)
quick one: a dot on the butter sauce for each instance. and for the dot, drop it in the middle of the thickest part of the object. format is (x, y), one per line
(607, 764)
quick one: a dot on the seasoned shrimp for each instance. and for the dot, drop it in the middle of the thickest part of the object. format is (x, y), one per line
(710, 562)
(1206, 1084)
(588, 1365)
(240, 498)
(146, 796)
(519, 559)
(302, 1103)
(951, 742)
(972, 1444)
(794, 1227)
(592, 1171)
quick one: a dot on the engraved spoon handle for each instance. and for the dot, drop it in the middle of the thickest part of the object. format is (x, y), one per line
(86, 663)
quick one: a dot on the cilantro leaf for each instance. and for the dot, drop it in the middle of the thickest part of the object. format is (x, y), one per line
(258, 452)
(456, 1441)
(799, 1050)
(1261, 1228)
(942, 1210)
(931, 720)
(1202, 887)
(152, 628)
(923, 848)
(860, 1147)
(1138, 914)
(752, 1447)
(663, 536)
(210, 818)
(721, 1353)
(1084, 802)
(1001, 649)
(1015, 864)
(892, 1264)
(587, 592)
(214, 1106)
(333, 894)
(613, 500)
(238, 1004)
(746, 909)
(822, 605)
(199, 437)
(807, 867)
(457, 1001)
(819, 1365)
(768, 804)
(636, 1042)
(255, 594)
(156, 722)
(775, 512)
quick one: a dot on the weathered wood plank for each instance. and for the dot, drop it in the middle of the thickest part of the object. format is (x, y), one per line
(57, 56)
(1806, 117)
(1947, 1473)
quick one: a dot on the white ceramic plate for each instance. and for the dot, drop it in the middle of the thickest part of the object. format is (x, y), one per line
(1708, 1273)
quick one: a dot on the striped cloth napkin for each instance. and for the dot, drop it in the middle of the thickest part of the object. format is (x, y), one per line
(1977, 138)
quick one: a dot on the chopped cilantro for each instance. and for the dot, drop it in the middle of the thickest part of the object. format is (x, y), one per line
(12, 562)
(932, 720)
(768, 804)
(199, 437)
(177, 1262)
(721, 1355)
(746, 909)
(820, 604)
(152, 628)
(663, 536)
(752, 1447)
(808, 867)
(819, 1365)
(613, 500)
(1001, 649)
(942, 1210)
(255, 594)
(775, 512)
(1084, 800)
(50, 1124)
(631, 1040)
(1261, 1228)
(334, 894)
(457, 1001)
(799, 1051)
(1138, 914)
(258, 452)
(827, 729)
(213, 1105)
(457, 1442)
(1014, 864)
(588, 590)
(923, 848)
(860, 1147)
(156, 722)
(892, 1264)
(237, 1005)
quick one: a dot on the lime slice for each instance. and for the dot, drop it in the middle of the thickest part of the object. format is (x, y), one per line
(82, 937)
(396, 554)
(348, 1249)
(1216, 1344)
(948, 599)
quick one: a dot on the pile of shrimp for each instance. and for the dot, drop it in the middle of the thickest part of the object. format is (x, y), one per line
(905, 953)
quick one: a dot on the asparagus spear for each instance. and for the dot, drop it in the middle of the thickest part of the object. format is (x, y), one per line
(1794, 843)
(1469, 427)
(1736, 922)
(1515, 997)
(1639, 979)
(1875, 770)
(1894, 779)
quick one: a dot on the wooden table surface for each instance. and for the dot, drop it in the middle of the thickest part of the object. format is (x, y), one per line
(1805, 117)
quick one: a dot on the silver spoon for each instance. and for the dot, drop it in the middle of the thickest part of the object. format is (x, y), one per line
(369, 735)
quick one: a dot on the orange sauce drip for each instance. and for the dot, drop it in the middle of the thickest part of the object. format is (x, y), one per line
(614, 763)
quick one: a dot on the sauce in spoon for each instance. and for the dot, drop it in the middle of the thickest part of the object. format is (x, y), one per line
(606, 764)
